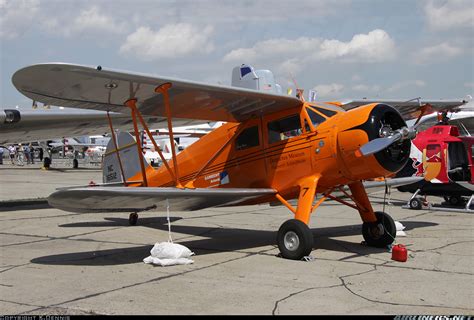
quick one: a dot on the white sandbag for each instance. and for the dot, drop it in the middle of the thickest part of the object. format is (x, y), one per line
(400, 227)
(167, 262)
(168, 254)
(401, 233)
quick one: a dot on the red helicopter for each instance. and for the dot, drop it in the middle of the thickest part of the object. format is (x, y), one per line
(445, 159)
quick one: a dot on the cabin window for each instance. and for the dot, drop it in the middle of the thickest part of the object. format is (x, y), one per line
(315, 117)
(283, 129)
(326, 112)
(458, 163)
(248, 138)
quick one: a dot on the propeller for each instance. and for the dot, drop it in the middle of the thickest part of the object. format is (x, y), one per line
(387, 139)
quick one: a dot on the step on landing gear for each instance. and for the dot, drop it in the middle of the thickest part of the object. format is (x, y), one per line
(381, 233)
(133, 218)
(295, 240)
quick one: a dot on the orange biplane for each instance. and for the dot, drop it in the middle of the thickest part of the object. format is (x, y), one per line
(272, 148)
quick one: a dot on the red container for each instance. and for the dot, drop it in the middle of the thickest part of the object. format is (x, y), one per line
(399, 253)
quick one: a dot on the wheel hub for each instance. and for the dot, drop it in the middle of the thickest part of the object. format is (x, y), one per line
(377, 231)
(291, 241)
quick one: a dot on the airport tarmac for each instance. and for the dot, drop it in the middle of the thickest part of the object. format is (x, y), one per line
(55, 262)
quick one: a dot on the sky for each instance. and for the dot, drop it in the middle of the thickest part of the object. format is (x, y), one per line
(343, 49)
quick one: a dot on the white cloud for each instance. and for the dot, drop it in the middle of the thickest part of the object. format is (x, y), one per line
(171, 41)
(90, 22)
(408, 83)
(93, 19)
(329, 90)
(366, 88)
(17, 16)
(437, 52)
(449, 14)
(469, 85)
(375, 46)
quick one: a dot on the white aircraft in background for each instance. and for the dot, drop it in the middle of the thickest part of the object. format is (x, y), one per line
(49, 124)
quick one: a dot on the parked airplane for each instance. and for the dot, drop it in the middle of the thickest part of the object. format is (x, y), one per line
(272, 148)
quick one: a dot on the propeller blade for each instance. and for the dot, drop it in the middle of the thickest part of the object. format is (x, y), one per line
(378, 144)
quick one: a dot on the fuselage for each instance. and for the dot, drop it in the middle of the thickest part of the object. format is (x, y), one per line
(278, 150)
(445, 159)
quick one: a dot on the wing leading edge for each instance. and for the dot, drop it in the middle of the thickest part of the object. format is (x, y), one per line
(76, 86)
(408, 109)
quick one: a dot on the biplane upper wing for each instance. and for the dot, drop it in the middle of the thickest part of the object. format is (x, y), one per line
(192, 103)
(408, 109)
(125, 199)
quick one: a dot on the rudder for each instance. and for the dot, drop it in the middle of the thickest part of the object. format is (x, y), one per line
(129, 159)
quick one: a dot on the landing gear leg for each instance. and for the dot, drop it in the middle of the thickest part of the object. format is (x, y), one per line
(294, 238)
(468, 205)
(133, 219)
(415, 202)
(378, 228)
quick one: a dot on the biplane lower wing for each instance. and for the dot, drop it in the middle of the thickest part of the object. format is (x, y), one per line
(125, 199)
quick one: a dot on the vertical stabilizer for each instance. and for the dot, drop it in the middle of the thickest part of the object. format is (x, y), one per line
(244, 76)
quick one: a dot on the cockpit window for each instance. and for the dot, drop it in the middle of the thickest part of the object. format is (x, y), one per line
(316, 118)
(283, 129)
(326, 112)
(247, 138)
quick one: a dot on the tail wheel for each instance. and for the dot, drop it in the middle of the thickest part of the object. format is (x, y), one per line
(381, 233)
(133, 219)
(295, 240)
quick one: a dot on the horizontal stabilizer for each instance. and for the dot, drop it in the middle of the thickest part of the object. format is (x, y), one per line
(130, 199)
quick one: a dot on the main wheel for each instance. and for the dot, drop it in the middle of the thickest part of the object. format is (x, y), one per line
(294, 239)
(415, 204)
(133, 218)
(381, 233)
(455, 200)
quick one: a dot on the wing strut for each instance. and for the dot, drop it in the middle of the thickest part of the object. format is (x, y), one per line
(163, 89)
(132, 104)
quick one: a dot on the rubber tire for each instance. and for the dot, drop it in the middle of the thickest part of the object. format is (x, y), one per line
(305, 237)
(390, 231)
(455, 201)
(415, 204)
(133, 219)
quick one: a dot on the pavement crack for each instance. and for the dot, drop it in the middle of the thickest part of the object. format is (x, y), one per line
(291, 295)
(346, 286)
